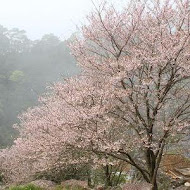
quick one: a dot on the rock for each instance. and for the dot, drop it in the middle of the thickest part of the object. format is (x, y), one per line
(137, 186)
(73, 182)
(100, 187)
(187, 184)
(44, 184)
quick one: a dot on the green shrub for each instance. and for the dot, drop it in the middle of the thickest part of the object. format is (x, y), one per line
(25, 187)
(99, 178)
(71, 187)
(16, 76)
(68, 187)
(59, 187)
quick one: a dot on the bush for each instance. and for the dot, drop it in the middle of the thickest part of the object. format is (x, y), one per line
(79, 172)
(59, 187)
(99, 178)
(69, 187)
(25, 187)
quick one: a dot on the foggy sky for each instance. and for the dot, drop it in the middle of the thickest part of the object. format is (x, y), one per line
(39, 17)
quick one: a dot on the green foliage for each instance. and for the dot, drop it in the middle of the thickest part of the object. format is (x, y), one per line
(25, 187)
(164, 182)
(16, 76)
(115, 179)
(1, 177)
(26, 68)
(71, 187)
(78, 172)
(58, 187)
(68, 187)
(119, 179)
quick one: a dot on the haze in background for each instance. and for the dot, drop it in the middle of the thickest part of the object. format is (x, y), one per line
(39, 17)
(31, 61)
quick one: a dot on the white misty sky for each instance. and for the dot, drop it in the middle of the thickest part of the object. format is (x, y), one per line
(39, 17)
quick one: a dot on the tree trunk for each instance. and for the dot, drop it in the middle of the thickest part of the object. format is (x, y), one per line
(151, 164)
(154, 185)
(108, 176)
(90, 179)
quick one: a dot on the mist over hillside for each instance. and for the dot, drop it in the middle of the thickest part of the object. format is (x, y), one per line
(27, 67)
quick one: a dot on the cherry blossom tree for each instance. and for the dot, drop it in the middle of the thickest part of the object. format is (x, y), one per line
(131, 99)
(140, 61)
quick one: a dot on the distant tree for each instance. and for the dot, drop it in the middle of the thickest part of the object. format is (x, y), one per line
(26, 67)
(131, 99)
(13, 43)
(47, 43)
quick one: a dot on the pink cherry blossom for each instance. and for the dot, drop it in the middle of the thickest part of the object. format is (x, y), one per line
(131, 97)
